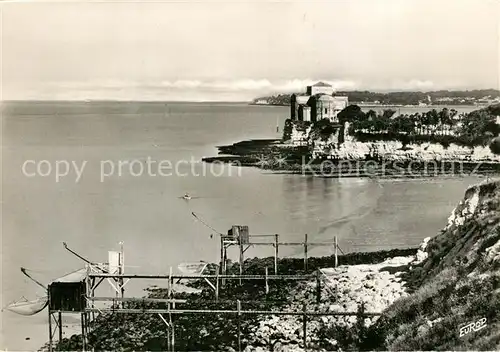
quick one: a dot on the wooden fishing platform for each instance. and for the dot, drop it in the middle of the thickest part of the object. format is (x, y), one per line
(76, 293)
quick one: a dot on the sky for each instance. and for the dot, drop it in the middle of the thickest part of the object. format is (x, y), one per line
(238, 50)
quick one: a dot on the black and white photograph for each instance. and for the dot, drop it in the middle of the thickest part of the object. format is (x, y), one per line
(250, 175)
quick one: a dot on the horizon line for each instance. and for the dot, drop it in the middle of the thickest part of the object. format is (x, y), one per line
(248, 100)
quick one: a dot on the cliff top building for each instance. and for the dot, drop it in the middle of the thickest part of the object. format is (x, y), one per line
(320, 88)
(317, 104)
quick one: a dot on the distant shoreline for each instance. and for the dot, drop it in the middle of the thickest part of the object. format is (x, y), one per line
(372, 105)
(246, 102)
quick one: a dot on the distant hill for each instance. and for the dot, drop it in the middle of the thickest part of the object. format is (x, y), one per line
(440, 97)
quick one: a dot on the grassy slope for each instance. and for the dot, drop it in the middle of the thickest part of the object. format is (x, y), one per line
(457, 284)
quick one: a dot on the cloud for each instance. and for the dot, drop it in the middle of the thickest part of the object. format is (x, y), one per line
(416, 84)
(182, 84)
(235, 85)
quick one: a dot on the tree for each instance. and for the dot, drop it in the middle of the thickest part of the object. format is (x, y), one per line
(433, 117)
(495, 146)
(381, 124)
(351, 114)
(371, 115)
(387, 114)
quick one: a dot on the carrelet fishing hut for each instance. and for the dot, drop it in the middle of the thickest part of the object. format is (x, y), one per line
(67, 294)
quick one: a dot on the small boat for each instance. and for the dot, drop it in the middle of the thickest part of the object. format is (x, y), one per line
(26, 307)
(186, 197)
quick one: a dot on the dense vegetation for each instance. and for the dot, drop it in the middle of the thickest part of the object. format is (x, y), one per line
(323, 129)
(414, 98)
(495, 146)
(279, 99)
(478, 127)
(402, 98)
(300, 126)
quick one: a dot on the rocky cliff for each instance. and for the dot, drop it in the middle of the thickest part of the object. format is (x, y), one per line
(456, 284)
(345, 147)
(395, 151)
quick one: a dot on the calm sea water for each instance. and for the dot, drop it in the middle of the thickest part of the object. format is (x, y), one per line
(145, 212)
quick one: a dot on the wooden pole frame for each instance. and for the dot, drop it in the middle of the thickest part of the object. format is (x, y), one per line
(84, 331)
(267, 282)
(305, 252)
(170, 282)
(217, 287)
(228, 277)
(336, 251)
(50, 329)
(59, 318)
(304, 314)
(276, 251)
(221, 311)
(227, 241)
(318, 286)
(238, 307)
(304, 326)
(242, 258)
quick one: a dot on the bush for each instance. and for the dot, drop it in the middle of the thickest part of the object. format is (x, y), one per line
(495, 146)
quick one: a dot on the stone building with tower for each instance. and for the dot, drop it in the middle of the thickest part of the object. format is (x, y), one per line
(318, 103)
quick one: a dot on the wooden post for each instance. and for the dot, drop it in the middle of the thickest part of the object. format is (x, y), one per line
(305, 252)
(360, 321)
(171, 324)
(241, 258)
(59, 317)
(336, 254)
(238, 306)
(122, 271)
(224, 266)
(304, 326)
(318, 286)
(50, 328)
(276, 243)
(173, 335)
(170, 282)
(92, 294)
(170, 327)
(168, 338)
(221, 267)
(84, 332)
(217, 287)
(267, 283)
